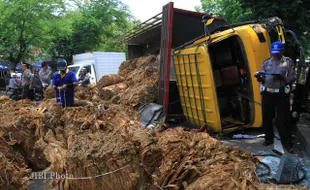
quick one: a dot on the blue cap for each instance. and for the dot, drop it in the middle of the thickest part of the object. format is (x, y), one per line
(277, 47)
(61, 64)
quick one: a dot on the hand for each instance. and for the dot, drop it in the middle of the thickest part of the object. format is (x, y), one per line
(62, 87)
(279, 77)
(30, 87)
(259, 77)
(256, 74)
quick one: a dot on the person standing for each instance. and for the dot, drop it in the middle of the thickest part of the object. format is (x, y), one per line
(37, 86)
(45, 75)
(277, 75)
(27, 79)
(64, 81)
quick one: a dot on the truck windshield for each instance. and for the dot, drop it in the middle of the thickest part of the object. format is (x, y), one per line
(74, 69)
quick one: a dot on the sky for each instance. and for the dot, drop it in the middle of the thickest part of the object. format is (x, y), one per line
(145, 9)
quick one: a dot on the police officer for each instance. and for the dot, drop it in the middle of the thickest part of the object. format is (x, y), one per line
(277, 75)
(63, 81)
(27, 79)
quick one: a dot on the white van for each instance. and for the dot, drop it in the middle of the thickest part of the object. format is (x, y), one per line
(97, 64)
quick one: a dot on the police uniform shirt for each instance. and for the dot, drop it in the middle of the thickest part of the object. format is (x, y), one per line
(45, 76)
(284, 67)
(27, 77)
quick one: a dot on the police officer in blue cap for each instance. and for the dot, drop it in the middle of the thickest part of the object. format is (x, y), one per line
(277, 75)
(64, 82)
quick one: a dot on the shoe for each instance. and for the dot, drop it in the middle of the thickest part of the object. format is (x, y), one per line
(266, 143)
(289, 149)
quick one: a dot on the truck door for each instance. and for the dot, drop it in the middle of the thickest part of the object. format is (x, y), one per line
(93, 79)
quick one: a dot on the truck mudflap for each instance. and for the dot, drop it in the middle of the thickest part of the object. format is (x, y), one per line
(196, 86)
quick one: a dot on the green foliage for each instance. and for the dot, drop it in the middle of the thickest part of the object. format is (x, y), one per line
(60, 28)
(93, 27)
(231, 10)
(23, 24)
(295, 14)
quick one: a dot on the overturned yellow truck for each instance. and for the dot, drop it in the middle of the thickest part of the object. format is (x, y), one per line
(215, 73)
(207, 66)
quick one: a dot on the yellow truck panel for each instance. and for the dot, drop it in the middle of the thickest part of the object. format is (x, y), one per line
(195, 65)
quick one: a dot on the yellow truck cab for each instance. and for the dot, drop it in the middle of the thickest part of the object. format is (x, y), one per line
(215, 74)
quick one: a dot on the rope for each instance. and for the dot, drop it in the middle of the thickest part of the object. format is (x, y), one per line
(141, 132)
(201, 94)
(65, 98)
(11, 137)
(59, 97)
(175, 102)
(249, 98)
(96, 176)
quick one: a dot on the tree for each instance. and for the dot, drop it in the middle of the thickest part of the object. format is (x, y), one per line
(295, 15)
(62, 42)
(25, 24)
(60, 28)
(93, 26)
(231, 10)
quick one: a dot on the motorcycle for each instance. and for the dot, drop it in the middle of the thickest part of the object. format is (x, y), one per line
(38, 94)
(16, 94)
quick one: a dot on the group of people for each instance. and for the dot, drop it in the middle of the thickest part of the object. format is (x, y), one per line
(35, 82)
(63, 82)
(29, 83)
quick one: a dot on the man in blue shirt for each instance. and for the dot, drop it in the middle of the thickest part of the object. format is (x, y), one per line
(64, 81)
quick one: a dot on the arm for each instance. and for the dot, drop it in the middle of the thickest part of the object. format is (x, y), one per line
(29, 75)
(74, 80)
(44, 77)
(291, 75)
(86, 78)
(54, 81)
(258, 76)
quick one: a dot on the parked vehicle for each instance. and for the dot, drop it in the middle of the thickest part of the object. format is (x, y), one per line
(16, 94)
(97, 64)
(37, 95)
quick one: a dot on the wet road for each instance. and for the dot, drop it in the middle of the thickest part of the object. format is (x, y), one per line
(256, 148)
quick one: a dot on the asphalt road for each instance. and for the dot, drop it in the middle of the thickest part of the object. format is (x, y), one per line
(256, 148)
